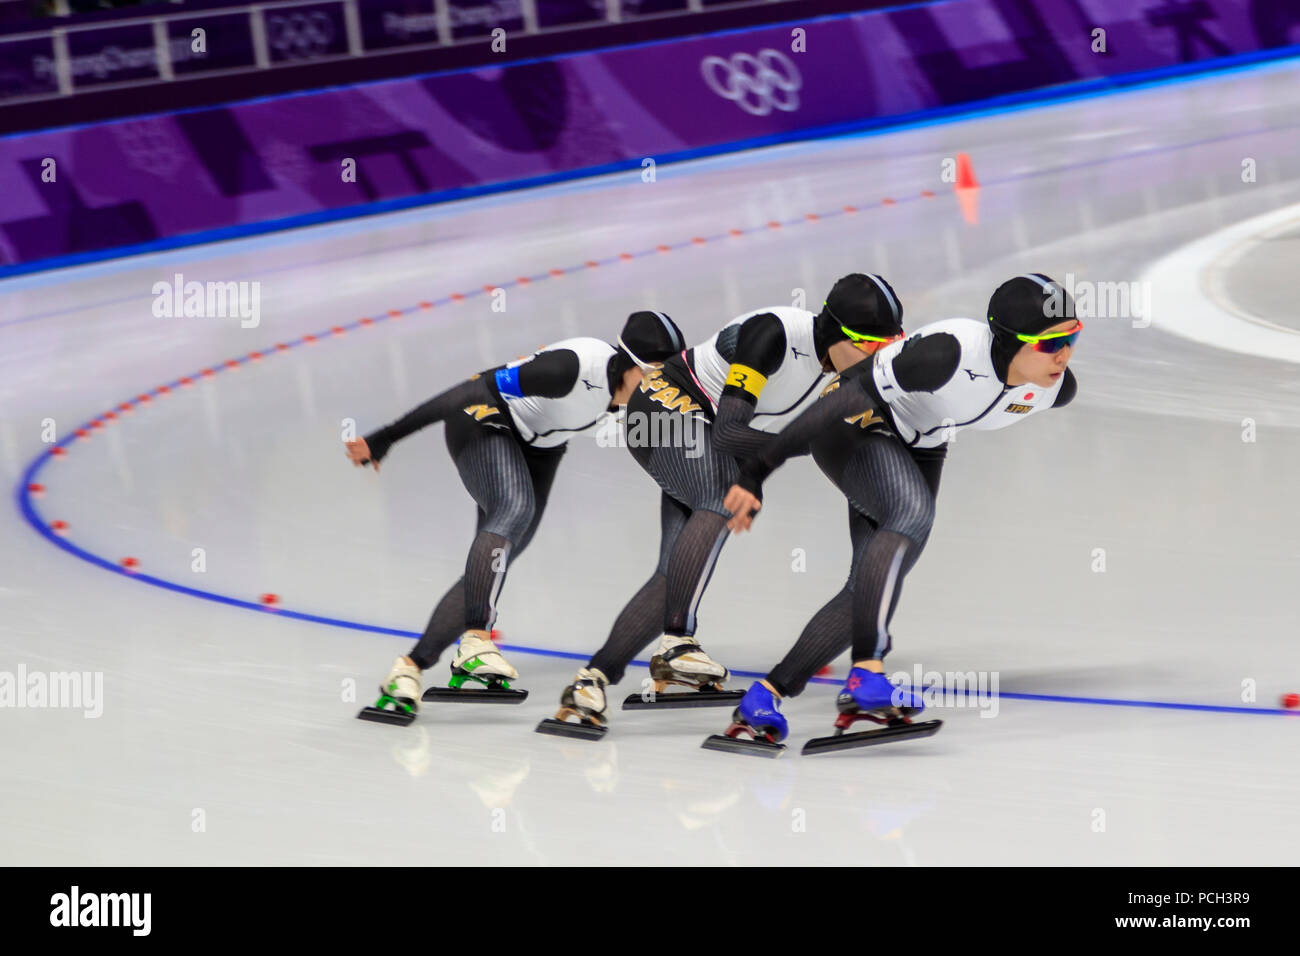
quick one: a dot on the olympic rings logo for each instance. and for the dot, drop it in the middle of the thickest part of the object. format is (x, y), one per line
(300, 35)
(753, 82)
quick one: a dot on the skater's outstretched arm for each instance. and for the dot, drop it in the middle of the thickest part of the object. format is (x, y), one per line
(923, 364)
(848, 397)
(550, 374)
(760, 349)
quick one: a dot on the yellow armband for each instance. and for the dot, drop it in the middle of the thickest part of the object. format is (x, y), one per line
(742, 376)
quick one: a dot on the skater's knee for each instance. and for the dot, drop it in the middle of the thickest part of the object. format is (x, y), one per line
(512, 521)
(912, 518)
(712, 506)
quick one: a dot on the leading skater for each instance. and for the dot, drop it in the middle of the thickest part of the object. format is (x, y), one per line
(506, 432)
(880, 434)
(740, 387)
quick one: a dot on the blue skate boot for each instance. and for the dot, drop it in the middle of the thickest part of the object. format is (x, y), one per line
(870, 696)
(760, 717)
(868, 691)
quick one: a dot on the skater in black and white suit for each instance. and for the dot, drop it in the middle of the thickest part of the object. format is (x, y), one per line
(881, 433)
(739, 388)
(506, 431)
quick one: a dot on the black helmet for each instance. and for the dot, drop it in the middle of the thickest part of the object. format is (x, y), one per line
(650, 337)
(865, 304)
(1025, 305)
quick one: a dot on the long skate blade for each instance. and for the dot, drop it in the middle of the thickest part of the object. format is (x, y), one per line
(868, 738)
(689, 698)
(447, 695)
(380, 716)
(735, 745)
(564, 728)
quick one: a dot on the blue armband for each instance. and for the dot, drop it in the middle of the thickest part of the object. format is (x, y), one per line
(508, 383)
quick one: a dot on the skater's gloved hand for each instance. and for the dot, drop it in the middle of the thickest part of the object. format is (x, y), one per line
(743, 505)
(360, 453)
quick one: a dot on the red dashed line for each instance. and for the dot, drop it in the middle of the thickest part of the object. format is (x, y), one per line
(270, 601)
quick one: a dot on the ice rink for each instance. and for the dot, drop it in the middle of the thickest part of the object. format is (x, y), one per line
(1136, 549)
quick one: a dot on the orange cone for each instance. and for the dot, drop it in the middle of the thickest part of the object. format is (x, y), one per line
(966, 173)
(968, 190)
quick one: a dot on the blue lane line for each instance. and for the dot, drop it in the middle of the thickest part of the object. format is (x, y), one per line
(28, 510)
(1066, 92)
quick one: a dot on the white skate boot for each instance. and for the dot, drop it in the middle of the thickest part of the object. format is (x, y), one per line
(585, 700)
(585, 697)
(399, 696)
(681, 660)
(478, 659)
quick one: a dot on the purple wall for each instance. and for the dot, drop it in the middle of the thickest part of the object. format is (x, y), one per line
(135, 181)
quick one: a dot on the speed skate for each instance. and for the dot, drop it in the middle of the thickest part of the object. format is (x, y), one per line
(892, 729)
(681, 662)
(868, 695)
(656, 696)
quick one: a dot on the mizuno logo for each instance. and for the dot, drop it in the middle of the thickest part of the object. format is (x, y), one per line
(974, 375)
(797, 353)
(589, 385)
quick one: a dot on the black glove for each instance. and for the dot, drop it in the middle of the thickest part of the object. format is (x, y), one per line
(379, 445)
(752, 475)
